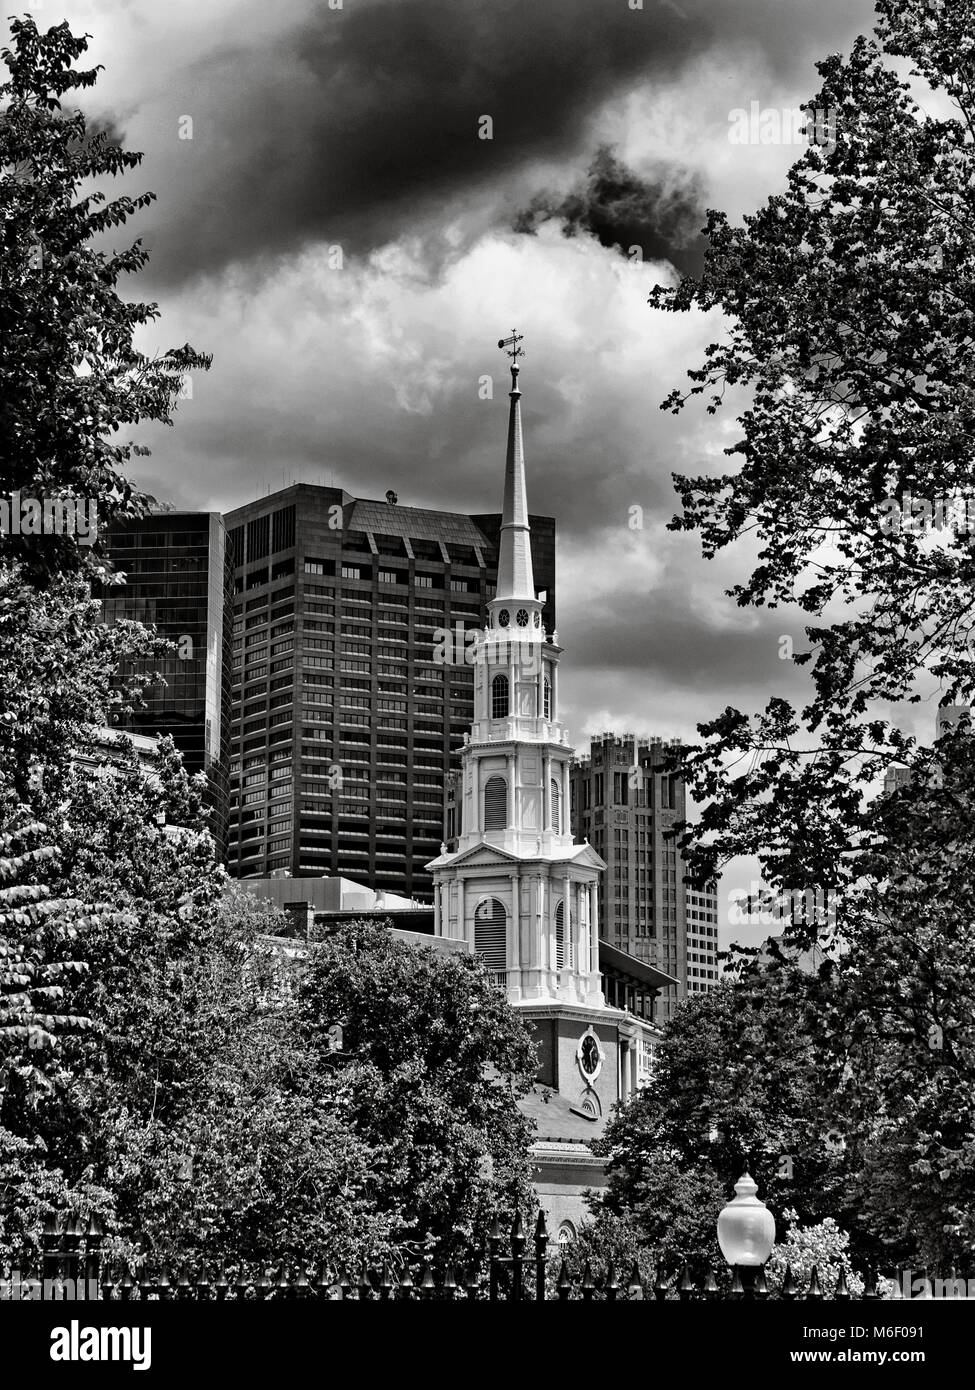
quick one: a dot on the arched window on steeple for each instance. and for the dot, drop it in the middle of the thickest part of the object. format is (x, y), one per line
(556, 806)
(495, 803)
(499, 697)
(491, 934)
(547, 698)
(560, 936)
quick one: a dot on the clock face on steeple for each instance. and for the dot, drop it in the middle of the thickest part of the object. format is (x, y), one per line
(522, 617)
(504, 618)
(589, 1055)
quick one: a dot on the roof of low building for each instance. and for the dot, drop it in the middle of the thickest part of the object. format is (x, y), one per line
(555, 1119)
(613, 958)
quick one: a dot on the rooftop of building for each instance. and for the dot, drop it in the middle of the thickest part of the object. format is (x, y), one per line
(297, 946)
(111, 746)
(160, 513)
(557, 1121)
(390, 519)
(385, 517)
(628, 967)
(328, 894)
(637, 742)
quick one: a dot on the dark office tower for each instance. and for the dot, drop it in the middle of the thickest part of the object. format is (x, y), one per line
(349, 708)
(623, 802)
(179, 578)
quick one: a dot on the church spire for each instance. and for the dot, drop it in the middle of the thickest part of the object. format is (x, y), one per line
(515, 577)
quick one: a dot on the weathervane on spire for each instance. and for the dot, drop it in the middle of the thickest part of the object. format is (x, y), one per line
(511, 347)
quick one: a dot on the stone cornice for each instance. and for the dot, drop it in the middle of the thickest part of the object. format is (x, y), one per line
(575, 1013)
(565, 1152)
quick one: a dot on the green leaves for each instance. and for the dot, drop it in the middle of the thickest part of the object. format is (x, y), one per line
(196, 1059)
(850, 359)
(752, 1075)
(71, 377)
(855, 352)
(433, 1061)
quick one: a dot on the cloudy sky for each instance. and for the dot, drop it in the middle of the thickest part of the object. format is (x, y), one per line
(331, 226)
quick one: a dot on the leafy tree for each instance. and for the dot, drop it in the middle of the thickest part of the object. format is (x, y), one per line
(55, 679)
(187, 1113)
(823, 1247)
(30, 982)
(58, 683)
(850, 330)
(738, 1083)
(668, 1208)
(263, 1143)
(70, 375)
(610, 1243)
(32, 989)
(433, 1061)
(849, 351)
(245, 1153)
(187, 1098)
(898, 1009)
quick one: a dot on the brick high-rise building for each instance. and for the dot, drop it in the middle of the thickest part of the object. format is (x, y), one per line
(623, 801)
(347, 719)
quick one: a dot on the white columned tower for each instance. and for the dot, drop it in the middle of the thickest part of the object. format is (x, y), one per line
(517, 887)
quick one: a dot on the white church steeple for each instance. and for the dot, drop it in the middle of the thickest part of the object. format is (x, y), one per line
(515, 578)
(517, 887)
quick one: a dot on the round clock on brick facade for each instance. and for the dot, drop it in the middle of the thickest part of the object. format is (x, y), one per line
(589, 1055)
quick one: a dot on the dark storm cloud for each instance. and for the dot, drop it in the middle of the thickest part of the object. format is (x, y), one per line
(663, 635)
(662, 216)
(359, 121)
(356, 125)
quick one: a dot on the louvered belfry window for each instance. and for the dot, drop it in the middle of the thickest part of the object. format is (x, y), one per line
(556, 807)
(491, 935)
(499, 697)
(495, 803)
(563, 957)
(547, 698)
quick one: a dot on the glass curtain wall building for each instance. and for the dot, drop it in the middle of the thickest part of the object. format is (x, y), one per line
(179, 579)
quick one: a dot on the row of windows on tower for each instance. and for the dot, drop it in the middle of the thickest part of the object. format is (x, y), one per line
(632, 788)
(496, 804)
(521, 618)
(501, 698)
(276, 531)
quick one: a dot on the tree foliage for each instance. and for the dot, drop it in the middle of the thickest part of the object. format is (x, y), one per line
(823, 1248)
(71, 376)
(433, 1062)
(183, 1086)
(848, 352)
(850, 340)
(737, 1084)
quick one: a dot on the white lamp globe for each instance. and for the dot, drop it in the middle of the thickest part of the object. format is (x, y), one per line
(746, 1227)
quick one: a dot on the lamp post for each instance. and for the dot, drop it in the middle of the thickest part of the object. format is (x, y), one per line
(746, 1233)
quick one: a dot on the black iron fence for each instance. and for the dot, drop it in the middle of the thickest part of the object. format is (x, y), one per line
(515, 1269)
